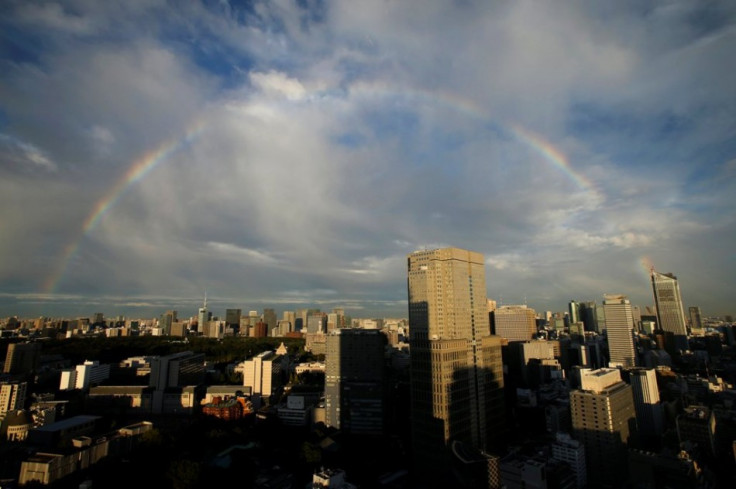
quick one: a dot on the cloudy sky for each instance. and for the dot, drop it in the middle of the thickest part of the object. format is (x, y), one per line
(291, 153)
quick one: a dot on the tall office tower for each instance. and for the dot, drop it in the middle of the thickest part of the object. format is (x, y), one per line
(331, 322)
(316, 323)
(515, 323)
(22, 358)
(602, 417)
(588, 315)
(355, 381)
(340, 316)
(232, 319)
(12, 396)
(203, 317)
(696, 321)
(290, 316)
(619, 330)
(574, 311)
(167, 319)
(300, 324)
(270, 318)
(670, 313)
(456, 369)
(649, 414)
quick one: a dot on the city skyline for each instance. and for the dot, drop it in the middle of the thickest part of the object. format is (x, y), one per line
(284, 155)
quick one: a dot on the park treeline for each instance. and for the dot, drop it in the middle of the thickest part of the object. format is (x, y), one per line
(115, 349)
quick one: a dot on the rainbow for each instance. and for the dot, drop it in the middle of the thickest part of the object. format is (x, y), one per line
(146, 163)
(551, 154)
(470, 109)
(646, 264)
(136, 172)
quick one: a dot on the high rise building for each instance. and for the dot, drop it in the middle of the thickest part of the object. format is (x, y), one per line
(574, 310)
(515, 323)
(670, 312)
(602, 419)
(167, 319)
(12, 397)
(456, 367)
(696, 321)
(203, 317)
(589, 315)
(619, 331)
(271, 319)
(263, 374)
(300, 322)
(571, 451)
(83, 376)
(22, 358)
(290, 316)
(355, 381)
(316, 323)
(232, 319)
(649, 413)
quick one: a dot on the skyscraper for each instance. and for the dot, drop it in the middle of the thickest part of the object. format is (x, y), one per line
(515, 323)
(203, 317)
(602, 419)
(456, 370)
(232, 319)
(589, 315)
(649, 413)
(574, 310)
(619, 331)
(696, 321)
(670, 313)
(355, 380)
(22, 358)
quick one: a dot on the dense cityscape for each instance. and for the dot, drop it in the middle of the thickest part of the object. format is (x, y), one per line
(464, 392)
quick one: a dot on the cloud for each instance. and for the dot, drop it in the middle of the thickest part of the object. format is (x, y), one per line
(303, 149)
(14, 151)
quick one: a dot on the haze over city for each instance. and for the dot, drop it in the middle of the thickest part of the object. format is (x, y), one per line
(276, 154)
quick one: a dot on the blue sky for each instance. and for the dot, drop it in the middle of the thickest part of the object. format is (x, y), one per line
(292, 153)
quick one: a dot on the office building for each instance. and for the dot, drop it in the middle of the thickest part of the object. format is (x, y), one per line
(574, 312)
(174, 371)
(619, 331)
(12, 397)
(515, 323)
(22, 358)
(316, 323)
(203, 316)
(271, 320)
(263, 374)
(83, 376)
(456, 370)
(355, 381)
(697, 425)
(232, 319)
(603, 416)
(167, 320)
(649, 413)
(696, 321)
(300, 321)
(670, 312)
(572, 452)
